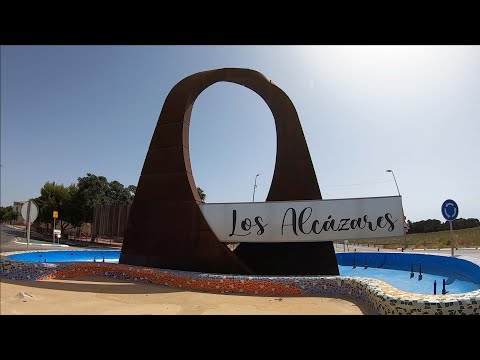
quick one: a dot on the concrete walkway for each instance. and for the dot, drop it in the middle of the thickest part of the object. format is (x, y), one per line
(470, 252)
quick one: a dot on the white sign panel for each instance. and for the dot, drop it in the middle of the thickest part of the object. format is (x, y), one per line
(33, 211)
(301, 221)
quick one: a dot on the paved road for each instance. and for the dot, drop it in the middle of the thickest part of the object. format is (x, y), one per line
(474, 253)
(8, 234)
(7, 240)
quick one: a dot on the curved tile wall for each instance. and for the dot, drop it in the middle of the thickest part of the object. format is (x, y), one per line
(380, 296)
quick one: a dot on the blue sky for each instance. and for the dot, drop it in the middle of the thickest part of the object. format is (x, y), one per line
(70, 110)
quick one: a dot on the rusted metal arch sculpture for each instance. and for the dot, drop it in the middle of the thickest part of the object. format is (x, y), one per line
(166, 228)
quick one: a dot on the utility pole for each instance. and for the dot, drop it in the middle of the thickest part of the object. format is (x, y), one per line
(254, 187)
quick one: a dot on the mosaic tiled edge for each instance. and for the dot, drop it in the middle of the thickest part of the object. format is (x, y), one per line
(380, 296)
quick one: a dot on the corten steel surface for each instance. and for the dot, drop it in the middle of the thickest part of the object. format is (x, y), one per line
(166, 228)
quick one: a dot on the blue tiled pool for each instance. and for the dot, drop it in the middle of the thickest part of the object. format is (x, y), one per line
(401, 280)
(394, 268)
(110, 256)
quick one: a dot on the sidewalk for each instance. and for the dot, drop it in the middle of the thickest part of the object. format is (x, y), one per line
(87, 243)
(471, 252)
(80, 242)
(23, 241)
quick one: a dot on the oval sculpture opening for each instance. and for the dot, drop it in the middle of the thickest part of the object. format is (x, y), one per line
(166, 228)
(232, 138)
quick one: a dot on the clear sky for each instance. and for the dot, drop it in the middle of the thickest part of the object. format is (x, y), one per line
(70, 110)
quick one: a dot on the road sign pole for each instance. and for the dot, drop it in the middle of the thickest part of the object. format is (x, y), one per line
(451, 236)
(28, 223)
(450, 213)
(53, 231)
(28, 235)
(55, 216)
(29, 213)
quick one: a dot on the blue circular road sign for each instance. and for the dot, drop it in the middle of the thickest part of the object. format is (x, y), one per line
(449, 210)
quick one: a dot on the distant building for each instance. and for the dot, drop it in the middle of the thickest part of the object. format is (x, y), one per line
(17, 206)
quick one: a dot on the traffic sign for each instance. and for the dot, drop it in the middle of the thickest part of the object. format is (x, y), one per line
(33, 211)
(29, 213)
(449, 210)
(55, 214)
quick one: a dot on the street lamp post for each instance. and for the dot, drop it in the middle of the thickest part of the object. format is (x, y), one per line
(395, 181)
(404, 232)
(254, 187)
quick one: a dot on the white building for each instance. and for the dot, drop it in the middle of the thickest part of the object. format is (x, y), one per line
(17, 206)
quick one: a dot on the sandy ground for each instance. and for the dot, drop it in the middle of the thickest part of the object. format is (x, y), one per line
(97, 295)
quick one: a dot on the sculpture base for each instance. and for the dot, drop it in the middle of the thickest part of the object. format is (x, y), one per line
(308, 258)
(221, 267)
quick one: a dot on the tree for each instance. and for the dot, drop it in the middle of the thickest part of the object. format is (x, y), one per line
(119, 194)
(96, 190)
(3, 211)
(73, 209)
(92, 190)
(132, 189)
(53, 197)
(432, 225)
(7, 214)
(75, 204)
(10, 216)
(202, 194)
(462, 223)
